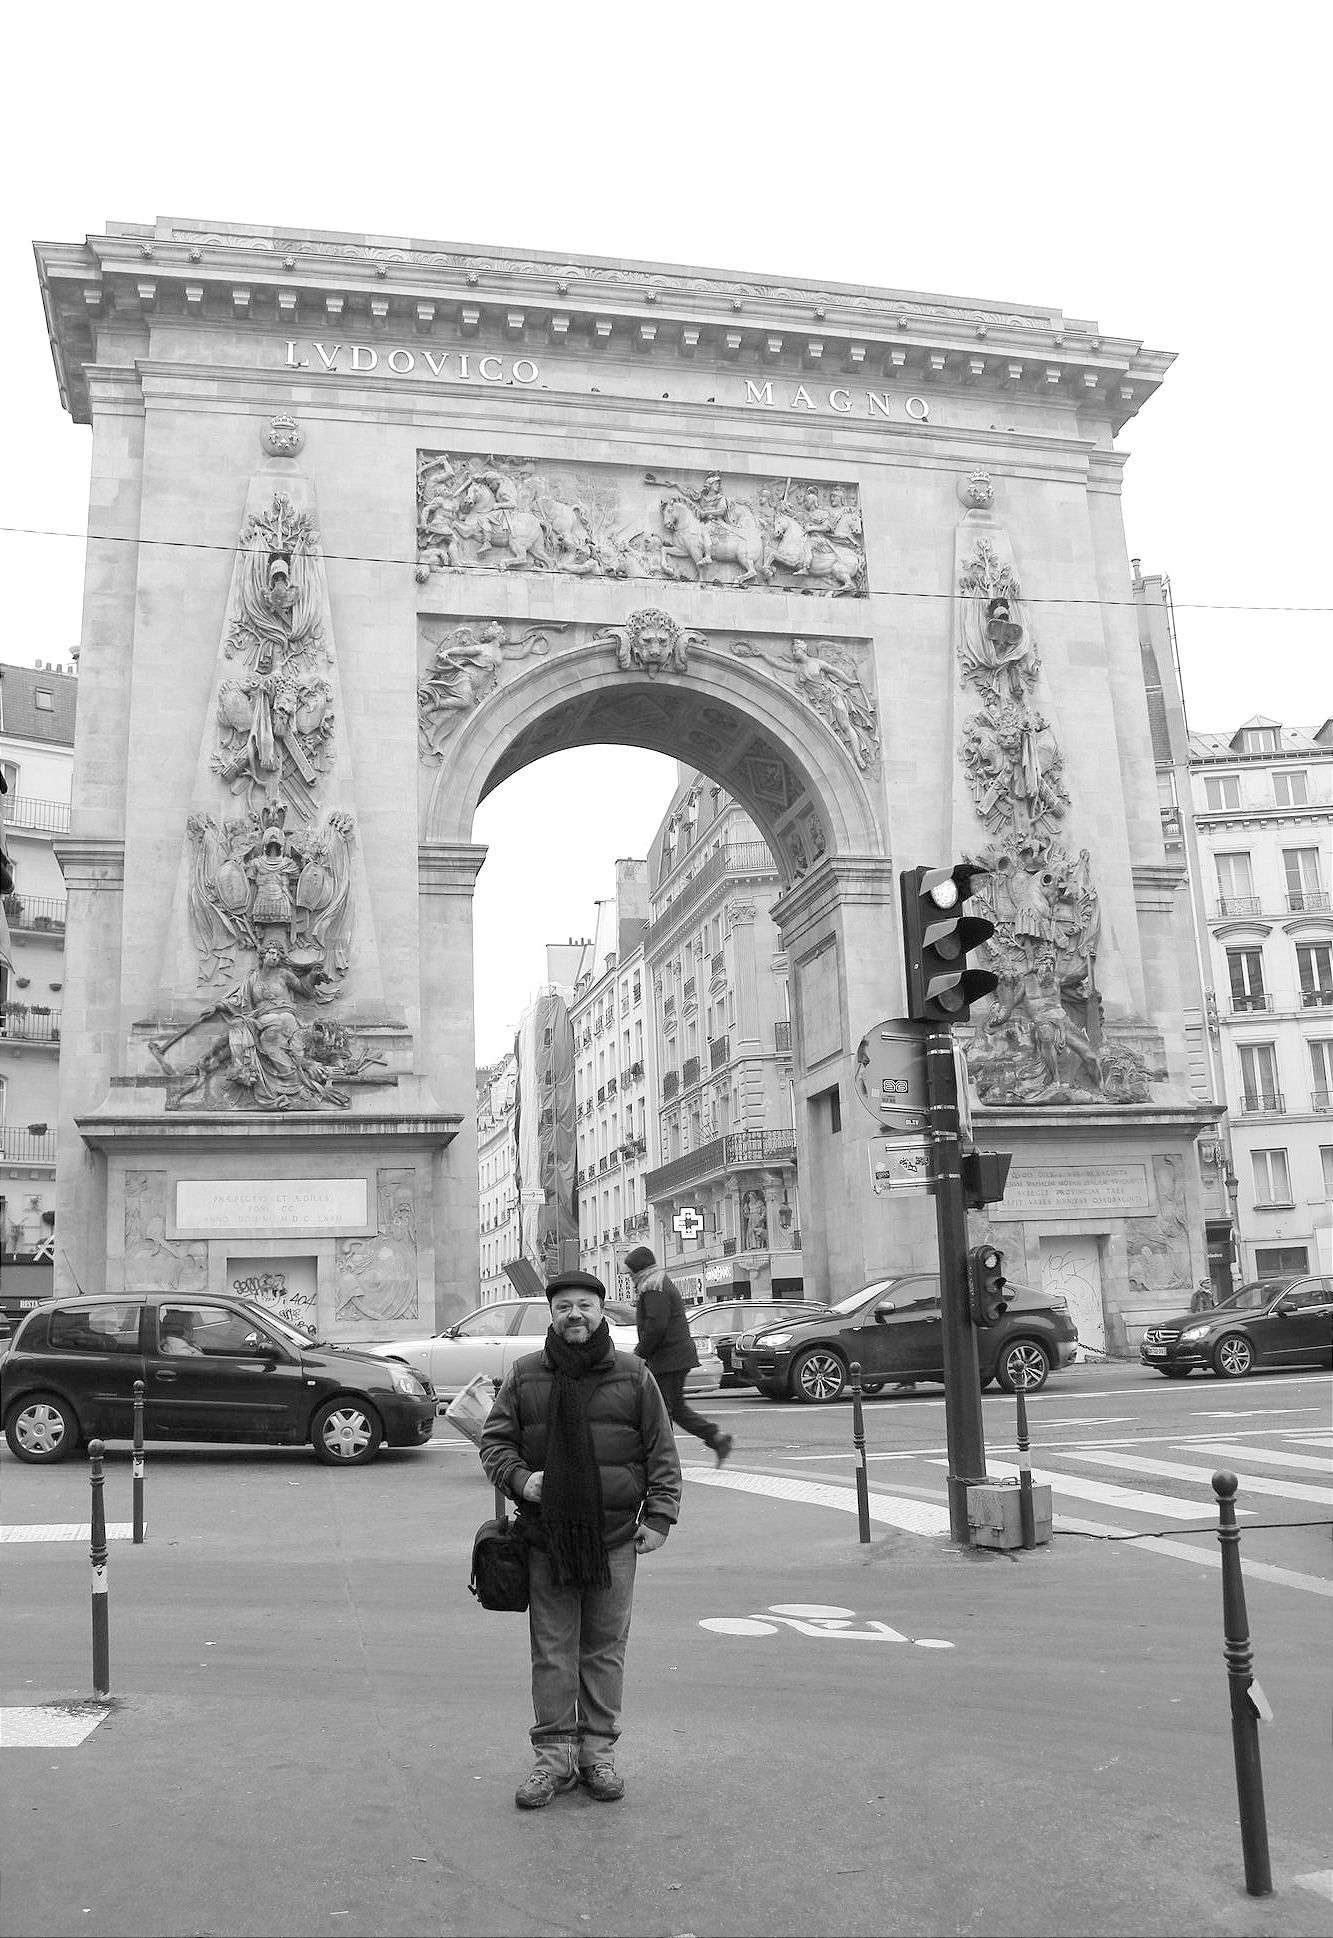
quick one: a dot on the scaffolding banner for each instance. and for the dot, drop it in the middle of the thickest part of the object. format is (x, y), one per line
(544, 1138)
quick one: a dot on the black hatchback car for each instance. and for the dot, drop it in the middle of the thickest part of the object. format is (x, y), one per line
(1268, 1322)
(893, 1329)
(213, 1369)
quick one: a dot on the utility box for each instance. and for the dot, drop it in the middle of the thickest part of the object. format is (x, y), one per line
(994, 1518)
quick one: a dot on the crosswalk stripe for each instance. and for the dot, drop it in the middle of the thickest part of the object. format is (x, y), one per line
(1203, 1557)
(1108, 1494)
(1291, 1490)
(917, 1517)
(1264, 1456)
(67, 1531)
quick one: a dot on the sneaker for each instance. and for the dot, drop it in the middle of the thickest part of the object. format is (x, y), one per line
(602, 1782)
(544, 1783)
(722, 1447)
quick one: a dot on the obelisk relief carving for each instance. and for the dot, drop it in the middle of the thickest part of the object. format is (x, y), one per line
(1040, 1040)
(270, 928)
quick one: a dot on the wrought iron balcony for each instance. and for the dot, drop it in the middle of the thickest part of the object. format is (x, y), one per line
(689, 1071)
(719, 1052)
(1255, 1000)
(670, 1083)
(1238, 905)
(739, 1151)
(1258, 1103)
(31, 1025)
(41, 817)
(782, 1036)
(19, 1146)
(38, 914)
(1317, 999)
(1299, 900)
(1321, 1099)
(740, 858)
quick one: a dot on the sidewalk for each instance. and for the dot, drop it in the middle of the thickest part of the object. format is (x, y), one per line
(315, 1729)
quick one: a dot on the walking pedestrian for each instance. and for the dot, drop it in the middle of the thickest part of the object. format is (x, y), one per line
(666, 1346)
(580, 1438)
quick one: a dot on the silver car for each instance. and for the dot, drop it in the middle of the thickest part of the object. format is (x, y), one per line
(489, 1340)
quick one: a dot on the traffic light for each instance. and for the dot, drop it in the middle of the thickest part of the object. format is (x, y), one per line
(986, 1284)
(937, 937)
(984, 1176)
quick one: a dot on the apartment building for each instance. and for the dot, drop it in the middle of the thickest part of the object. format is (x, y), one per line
(723, 1191)
(37, 705)
(1262, 802)
(614, 1064)
(497, 1193)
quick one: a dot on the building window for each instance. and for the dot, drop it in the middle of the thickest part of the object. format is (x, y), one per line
(1258, 1075)
(1279, 1261)
(1222, 791)
(1235, 885)
(1321, 1073)
(1245, 969)
(1326, 1161)
(1272, 1179)
(44, 700)
(1291, 790)
(1261, 740)
(1314, 965)
(1304, 887)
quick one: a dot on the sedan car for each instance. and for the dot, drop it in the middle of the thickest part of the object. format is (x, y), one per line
(893, 1329)
(717, 1328)
(489, 1340)
(212, 1368)
(1268, 1322)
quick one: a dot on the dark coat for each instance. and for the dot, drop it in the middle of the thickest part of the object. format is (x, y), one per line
(631, 1436)
(666, 1344)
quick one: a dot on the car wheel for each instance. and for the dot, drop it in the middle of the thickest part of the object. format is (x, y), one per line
(1233, 1356)
(346, 1433)
(41, 1429)
(818, 1376)
(1022, 1363)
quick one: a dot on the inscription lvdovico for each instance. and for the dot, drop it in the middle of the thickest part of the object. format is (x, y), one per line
(1072, 1191)
(465, 366)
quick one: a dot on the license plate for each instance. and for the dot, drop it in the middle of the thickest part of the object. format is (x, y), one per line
(1155, 1352)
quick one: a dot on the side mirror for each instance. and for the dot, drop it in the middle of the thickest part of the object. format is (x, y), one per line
(883, 1312)
(1285, 1308)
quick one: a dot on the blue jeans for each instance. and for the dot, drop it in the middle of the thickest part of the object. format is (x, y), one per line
(578, 1638)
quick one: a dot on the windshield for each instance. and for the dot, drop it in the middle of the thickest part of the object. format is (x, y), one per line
(291, 1334)
(1254, 1296)
(855, 1300)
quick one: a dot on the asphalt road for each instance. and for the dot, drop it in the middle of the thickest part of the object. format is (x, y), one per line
(314, 1729)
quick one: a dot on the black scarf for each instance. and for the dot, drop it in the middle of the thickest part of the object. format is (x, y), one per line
(572, 1481)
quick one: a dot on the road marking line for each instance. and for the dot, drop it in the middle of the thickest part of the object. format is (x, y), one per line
(1209, 1557)
(1317, 1881)
(1266, 1456)
(915, 1517)
(1109, 1495)
(68, 1531)
(50, 1727)
(1288, 1490)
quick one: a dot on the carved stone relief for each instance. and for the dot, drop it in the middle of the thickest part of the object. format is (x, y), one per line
(154, 1262)
(1158, 1249)
(828, 679)
(268, 887)
(1041, 1040)
(511, 514)
(375, 1278)
(464, 669)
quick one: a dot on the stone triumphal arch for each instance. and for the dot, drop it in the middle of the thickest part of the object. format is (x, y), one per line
(375, 524)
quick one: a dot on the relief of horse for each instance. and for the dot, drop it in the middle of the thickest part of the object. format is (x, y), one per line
(809, 558)
(717, 544)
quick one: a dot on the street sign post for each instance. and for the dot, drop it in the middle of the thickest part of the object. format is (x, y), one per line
(900, 1164)
(891, 1076)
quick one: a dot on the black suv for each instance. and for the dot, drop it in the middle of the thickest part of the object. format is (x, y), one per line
(893, 1328)
(1269, 1322)
(215, 1369)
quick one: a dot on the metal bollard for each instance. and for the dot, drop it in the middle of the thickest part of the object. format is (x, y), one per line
(1245, 1713)
(138, 1461)
(859, 1442)
(1027, 1523)
(101, 1631)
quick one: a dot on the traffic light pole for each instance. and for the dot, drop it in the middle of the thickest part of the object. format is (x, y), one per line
(962, 1380)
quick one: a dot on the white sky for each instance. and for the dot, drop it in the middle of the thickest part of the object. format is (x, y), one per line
(1159, 168)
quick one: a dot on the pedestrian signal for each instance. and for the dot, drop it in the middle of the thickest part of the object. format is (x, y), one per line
(986, 1285)
(937, 938)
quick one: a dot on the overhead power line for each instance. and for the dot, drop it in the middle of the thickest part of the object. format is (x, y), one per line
(390, 558)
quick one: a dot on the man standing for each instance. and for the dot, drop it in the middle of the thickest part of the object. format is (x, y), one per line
(579, 1437)
(666, 1346)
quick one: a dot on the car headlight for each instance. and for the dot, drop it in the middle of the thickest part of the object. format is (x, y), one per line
(777, 1339)
(404, 1380)
(1196, 1332)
